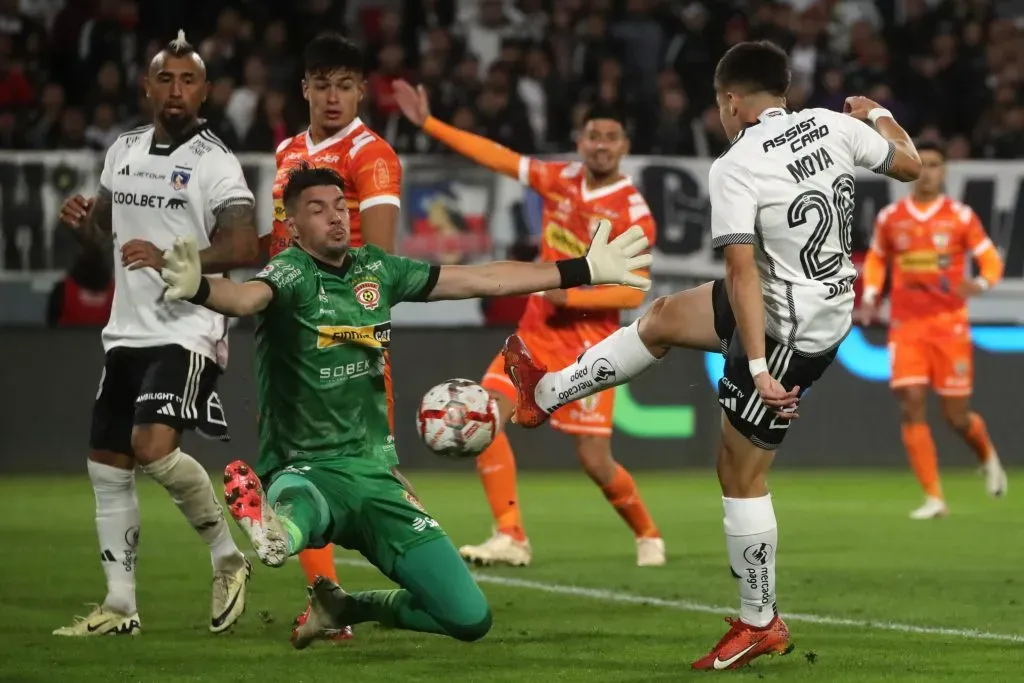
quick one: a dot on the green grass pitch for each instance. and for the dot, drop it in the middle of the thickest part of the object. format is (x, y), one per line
(922, 601)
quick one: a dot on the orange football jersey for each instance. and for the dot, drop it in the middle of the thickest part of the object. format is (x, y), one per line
(570, 214)
(928, 249)
(367, 164)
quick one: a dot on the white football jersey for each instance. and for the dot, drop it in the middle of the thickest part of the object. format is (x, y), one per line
(160, 193)
(786, 186)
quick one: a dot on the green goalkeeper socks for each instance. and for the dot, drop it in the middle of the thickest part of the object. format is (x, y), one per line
(438, 595)
(301, 508)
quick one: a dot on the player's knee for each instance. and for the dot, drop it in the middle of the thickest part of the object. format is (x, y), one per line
(472, 622)
(653, 326)
(595, 454)
(151, 443)
(957, 416)
(912, 405)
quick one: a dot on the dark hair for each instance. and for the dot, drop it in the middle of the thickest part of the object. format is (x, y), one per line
(331, 51)
(759, 66)
(599, 110)
(304, 177)
(931, 146)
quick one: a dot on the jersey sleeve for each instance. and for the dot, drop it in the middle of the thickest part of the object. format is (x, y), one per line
(288, 278)
(109, 161)
(733, 203)
(407, 279)
(377, 175)
(544, 177)
(223, 182)
(990, 263)
(870, 150)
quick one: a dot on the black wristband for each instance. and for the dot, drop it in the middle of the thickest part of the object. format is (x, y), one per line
(202, 294)
(574, 272)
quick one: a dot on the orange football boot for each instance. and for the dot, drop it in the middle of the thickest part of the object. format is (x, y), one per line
(744, 642)
(524, 373)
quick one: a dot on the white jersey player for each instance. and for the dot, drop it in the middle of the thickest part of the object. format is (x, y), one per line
(170, 180)
(781, 209)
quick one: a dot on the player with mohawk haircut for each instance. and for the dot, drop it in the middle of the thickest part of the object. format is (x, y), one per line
(168, 180)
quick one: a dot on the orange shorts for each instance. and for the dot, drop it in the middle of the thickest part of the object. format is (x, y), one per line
(926, 354)
(591, 415)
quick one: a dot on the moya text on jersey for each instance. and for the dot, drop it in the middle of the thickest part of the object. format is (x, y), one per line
(160, 193)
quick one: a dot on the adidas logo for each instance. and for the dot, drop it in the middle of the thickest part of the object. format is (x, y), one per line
(728, 403)
(166, 410)
(124, 171)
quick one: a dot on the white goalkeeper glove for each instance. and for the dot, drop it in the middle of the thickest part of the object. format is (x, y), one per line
(612, 262)
(182, 272)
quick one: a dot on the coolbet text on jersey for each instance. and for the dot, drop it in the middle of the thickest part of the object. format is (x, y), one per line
(928, 248)
(556, 335)
(367, 164)
(160, 193)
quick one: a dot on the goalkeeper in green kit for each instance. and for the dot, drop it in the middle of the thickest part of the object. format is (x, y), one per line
(323, 324)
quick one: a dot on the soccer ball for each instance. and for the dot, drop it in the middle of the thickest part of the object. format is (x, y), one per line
(457, 419)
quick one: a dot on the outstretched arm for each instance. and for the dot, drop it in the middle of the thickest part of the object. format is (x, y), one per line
(605, 263)
(234, 299)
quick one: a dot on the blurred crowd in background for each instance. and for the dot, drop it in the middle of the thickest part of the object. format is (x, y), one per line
(518, 71)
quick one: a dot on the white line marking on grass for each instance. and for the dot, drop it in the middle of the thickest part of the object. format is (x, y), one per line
(688, 606)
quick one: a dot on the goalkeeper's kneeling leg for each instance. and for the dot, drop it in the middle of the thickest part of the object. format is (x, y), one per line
(439, 581)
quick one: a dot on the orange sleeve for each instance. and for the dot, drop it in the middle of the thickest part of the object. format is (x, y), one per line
(876, 260)
(604, 297)
(377, 175)
(536, 174)
(990, 264)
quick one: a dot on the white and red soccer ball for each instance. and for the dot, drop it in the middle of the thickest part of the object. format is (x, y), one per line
(457, 419)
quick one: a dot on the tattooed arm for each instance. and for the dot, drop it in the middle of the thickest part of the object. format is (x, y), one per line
(234, 242)
(90, 218)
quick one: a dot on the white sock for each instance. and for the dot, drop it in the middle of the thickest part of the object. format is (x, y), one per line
(752, 538)
(117, 527)
(190, 487)
(614, 360)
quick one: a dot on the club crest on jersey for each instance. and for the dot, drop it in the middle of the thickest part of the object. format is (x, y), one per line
(381, 174)
(180, 177)
(940, 240)
(368, 294)
(414, 501)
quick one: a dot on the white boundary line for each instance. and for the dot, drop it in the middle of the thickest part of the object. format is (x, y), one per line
(687, 606)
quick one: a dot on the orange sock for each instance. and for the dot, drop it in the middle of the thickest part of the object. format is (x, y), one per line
(976, 437)
(497, 469)
(318, 562)
(917, 439)
(622, 493)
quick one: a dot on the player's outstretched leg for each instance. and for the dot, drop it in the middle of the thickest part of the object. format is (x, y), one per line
(684, 319)
(117, 528)
(972, 429)
(752, 539)
(437, 595)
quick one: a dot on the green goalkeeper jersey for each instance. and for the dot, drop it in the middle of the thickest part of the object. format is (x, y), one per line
(321, 347)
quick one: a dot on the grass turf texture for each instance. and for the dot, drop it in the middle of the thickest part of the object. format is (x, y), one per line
(847, 551)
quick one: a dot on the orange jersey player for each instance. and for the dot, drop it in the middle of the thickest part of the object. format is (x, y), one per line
(336, 138)
(928, 239)
(560, 324)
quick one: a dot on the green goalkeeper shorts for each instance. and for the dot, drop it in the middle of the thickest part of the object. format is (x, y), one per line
(371, 512)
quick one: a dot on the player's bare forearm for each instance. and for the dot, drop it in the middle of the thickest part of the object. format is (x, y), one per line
(906, 164)
(98, 226)
(500, 278)
(743, 284)
(237, 299)
(235, 242)
(380, 225)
